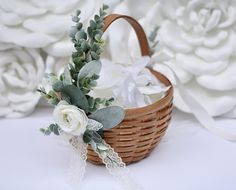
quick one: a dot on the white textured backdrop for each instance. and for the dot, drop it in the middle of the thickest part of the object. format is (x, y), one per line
(197, 39)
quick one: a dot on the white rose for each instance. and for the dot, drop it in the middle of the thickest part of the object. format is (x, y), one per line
(21, 70)
(71, 119)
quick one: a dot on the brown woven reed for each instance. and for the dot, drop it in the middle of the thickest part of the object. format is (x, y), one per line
(142, 128)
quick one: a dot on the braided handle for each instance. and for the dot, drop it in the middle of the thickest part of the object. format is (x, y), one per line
(143, 42)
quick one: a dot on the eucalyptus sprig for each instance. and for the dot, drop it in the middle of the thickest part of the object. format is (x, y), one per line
(79, 77)
(86, 67)
(88, 44)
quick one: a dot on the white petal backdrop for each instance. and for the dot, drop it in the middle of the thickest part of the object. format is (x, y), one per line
(28, 29)
(197, 40)
(21, 71)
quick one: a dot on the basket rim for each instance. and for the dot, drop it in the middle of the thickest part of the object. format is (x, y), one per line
(159, 104)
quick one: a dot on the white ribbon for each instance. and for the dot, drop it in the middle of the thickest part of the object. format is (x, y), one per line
(77, 164)
(201, 114)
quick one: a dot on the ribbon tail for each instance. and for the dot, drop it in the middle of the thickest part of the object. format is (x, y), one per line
(77, 162)
(203, 117)
(116, 167)
(201, 114)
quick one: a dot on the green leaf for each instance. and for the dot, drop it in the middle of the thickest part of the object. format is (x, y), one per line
(77, 97)
(105, 7)
(53, 101)
(90, 135)
(73, 31)
(87, 137)
(109, 116)
(54, 128)
(83, 45)
(93, 24)
(98, 37)
(91, 101)
(88, 57)
(79, 25)
(78, 12)
(96, 17)
(65, 97)
(75, 19)
(90, 69)
(89, 30)
(93, 145)
(80, 35)
(100, 132)
(45, 131)
(67, 79)
(94, 55)
(102, 147)
(57, 86)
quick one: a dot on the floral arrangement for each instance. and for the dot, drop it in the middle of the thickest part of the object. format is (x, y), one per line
(78, 116)
(76, 112)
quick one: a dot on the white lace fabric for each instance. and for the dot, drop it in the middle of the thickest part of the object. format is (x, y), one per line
(77, 164)
(117, 168)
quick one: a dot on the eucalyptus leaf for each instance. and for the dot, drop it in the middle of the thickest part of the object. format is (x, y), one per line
(93, 24)
(90, 135)
(93, 145)
(84, 45)
(88, 57)
(73, 31)
(53, 101)
(79, 25)
(45, 131)
(91, 101)
(65, 97)
(105, 7)
(78, 12)
(110, 116)
(94, 55)
(67, 79)
(90, 69)
(57, 86)
(97, 37)
(77, 97)
(87, 138)
(75, 19)
(80, 35)
(96, 137)
(102, 147)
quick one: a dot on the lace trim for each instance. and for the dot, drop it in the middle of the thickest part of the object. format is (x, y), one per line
(77, 164)
(94, 125)
(116, 167)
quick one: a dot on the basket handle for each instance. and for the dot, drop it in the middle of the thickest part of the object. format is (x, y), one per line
(142, 38)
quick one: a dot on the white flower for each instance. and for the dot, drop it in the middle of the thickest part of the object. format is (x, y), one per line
(21, 71)
(70, 118)
(198, 37)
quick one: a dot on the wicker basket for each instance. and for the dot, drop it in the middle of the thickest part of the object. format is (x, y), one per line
(142, 128)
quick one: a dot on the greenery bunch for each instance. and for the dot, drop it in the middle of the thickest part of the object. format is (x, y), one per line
(80, 77)
(85, 69)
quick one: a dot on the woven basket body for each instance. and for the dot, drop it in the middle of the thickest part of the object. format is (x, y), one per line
(142, 128)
